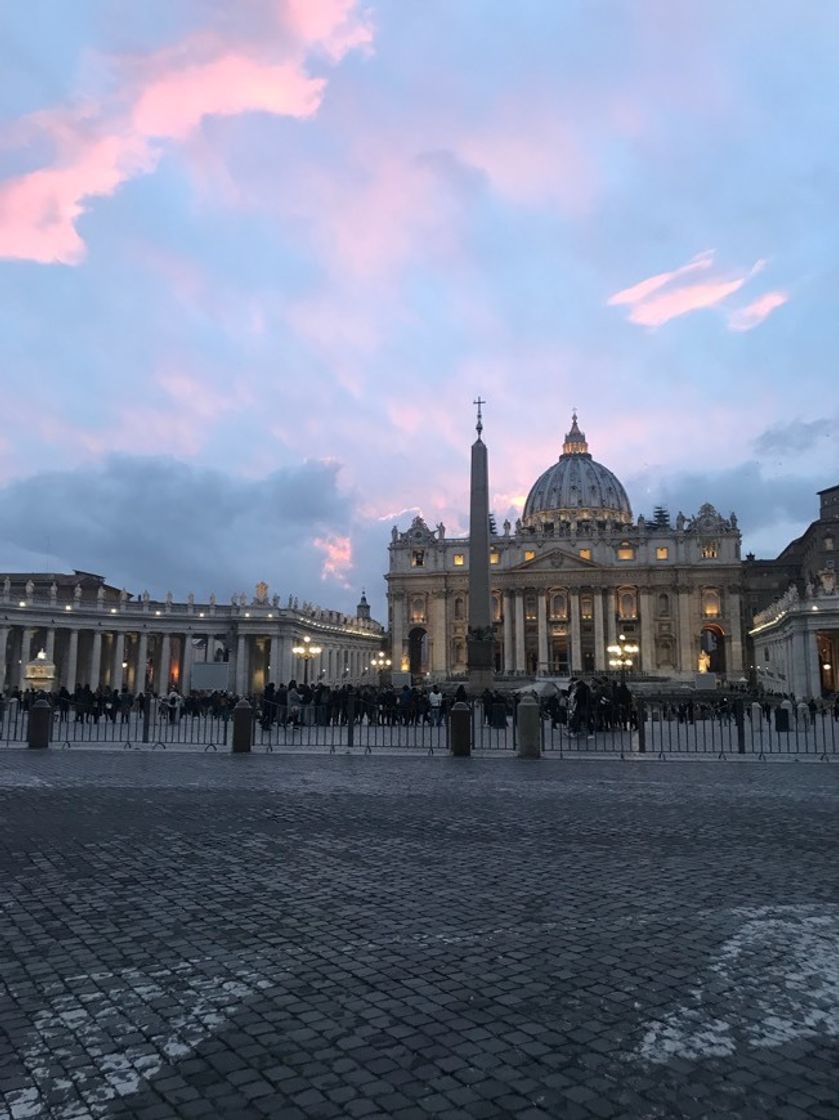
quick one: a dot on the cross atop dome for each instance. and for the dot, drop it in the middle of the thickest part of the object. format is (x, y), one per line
(575, 440)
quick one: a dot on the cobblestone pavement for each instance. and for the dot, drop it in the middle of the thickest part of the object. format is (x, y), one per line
(190, 935)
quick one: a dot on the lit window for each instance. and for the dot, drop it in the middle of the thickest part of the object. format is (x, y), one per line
(627, 605)
(459, 559)
(559, 605)
(710, 604)
(530, 608)
(529, 553)
(494, 557)
(709, 550)
(585, 553)
(662, 553)
(626, 551)
(586, 606)
(418, 558)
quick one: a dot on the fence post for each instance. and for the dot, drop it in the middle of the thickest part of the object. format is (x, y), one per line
(242, 720)
(40, 715)
(739, 716)
(642, 727)
(146, 714)
(528, 721)
(461, 730)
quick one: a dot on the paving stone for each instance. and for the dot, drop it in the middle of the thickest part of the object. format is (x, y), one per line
(297, 936)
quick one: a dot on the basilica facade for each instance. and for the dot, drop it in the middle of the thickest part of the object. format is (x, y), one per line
(576, 572)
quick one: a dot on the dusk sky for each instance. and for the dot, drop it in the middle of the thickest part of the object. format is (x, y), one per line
(258, 258)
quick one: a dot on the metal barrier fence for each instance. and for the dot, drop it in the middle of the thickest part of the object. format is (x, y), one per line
(659, 727)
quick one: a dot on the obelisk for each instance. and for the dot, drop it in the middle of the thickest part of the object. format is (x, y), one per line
(480, 640)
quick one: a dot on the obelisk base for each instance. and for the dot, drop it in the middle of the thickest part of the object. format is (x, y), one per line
(481, 657)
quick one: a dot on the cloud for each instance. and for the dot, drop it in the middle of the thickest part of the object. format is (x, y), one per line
(658, 299)
(159, 523)
(795, 436)
(759, 499)
(754, 314)
(164, 97)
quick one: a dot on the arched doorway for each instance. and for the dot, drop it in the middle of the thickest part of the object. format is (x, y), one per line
(712, 644)
(417, 651)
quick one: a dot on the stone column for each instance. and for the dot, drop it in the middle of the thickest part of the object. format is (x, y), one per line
(49, 648)
(519, 628)
(96, 660)
(164, 664)
(25, 655)
(439, 641)
(241, 664)
(542, 633)
(142, 662)
(4, 640)
(687, 653)
(72, 665)
(734, 654)
(118, 658)
(646, 661)
(509, 651)
(576, 637)
(189, 654)
(398, 628)
(600, 658)
(611, 621)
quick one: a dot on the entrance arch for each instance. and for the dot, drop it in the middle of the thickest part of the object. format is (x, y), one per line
(712, 642)
(418, 651)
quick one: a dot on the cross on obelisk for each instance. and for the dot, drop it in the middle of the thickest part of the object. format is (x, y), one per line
(480, 641)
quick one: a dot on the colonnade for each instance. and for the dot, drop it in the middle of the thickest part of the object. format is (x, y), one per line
(158, 659)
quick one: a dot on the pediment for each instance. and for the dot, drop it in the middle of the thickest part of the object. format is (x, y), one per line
(555, 560)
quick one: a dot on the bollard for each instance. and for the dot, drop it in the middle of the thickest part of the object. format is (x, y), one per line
(528, 727)
(460, 730)
(40, 717)
(242, 727)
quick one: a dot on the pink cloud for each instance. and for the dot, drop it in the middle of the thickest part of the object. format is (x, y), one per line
(337, 561)
(645, 288)
(164, 97)
(754, 314)
(657, 300)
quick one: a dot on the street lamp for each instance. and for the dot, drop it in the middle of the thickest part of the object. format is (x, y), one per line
(380, 663)
(621, 655)
(307, 651)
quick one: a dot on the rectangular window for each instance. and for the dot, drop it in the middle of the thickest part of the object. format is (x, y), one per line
(529, 553)
(585, 553)
(418, 558)
(709, 552)
(459, 559)
(626, 552)
(662, 553)
(494, 558)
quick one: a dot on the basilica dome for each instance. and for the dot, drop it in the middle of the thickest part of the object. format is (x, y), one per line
(576, 488)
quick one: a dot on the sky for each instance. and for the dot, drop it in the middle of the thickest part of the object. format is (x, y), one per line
(258, 259)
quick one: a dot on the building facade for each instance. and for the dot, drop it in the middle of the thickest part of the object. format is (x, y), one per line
(795, 638)
(575, 572)
(98, 635)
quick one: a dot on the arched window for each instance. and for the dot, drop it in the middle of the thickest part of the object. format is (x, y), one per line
(559, 605)
(586, 607)
(458, 609)
(664, 605)
(711, 603)
(418, 608)
(530, 608)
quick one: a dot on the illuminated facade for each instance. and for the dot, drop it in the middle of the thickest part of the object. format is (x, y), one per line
(572, 575)
(97, 635)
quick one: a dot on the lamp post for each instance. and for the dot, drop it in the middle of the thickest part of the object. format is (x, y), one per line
(381, 664)
(307, 651)
(621, 655)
